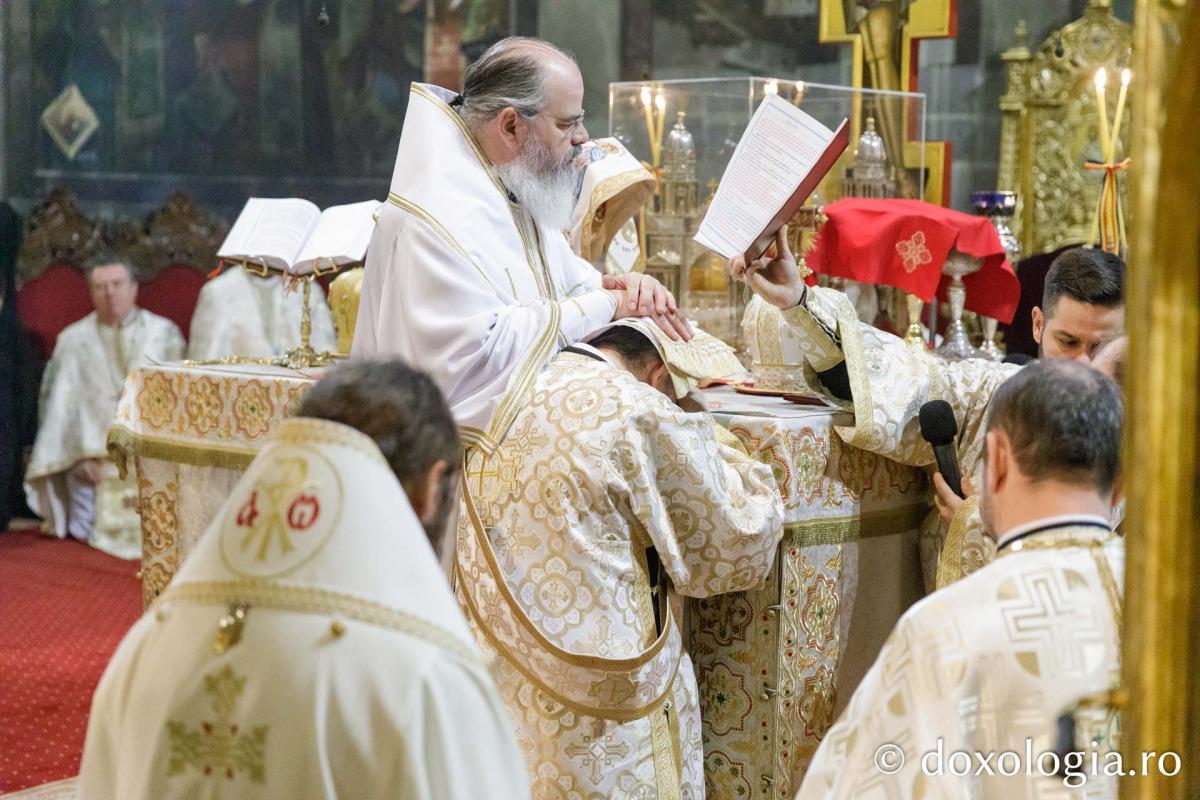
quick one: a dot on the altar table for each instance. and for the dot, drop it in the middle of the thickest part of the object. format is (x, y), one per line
(779, 663)
(189, 432)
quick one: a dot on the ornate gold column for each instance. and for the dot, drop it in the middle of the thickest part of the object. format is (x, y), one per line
(1162, 529)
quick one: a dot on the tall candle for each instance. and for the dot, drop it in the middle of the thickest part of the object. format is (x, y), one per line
(647, 110)
(1102, 110)
(660, 107)
(1126, 75)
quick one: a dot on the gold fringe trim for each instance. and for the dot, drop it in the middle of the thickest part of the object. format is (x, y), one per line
(313, 600)
(869, 525)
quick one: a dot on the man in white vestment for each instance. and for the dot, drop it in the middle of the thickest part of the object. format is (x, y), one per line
(469, 274)
(70, 483)
(240, 313)
(613, 187)
(884, 381)
(964, 699)
(601, 477)
(310, 646)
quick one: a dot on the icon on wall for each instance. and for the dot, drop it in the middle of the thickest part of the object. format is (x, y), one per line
(70, 120)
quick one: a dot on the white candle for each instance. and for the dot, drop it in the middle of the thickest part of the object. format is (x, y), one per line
(1102, 110)
(1126, 76)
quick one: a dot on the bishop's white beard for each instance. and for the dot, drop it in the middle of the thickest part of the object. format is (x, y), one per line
(545, 188)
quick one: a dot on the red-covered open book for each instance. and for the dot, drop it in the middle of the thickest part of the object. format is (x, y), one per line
(777, 164)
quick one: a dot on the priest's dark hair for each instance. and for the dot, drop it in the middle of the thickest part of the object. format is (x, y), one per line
(1063, 422)
(107, 258)
(1086, 275)
(633, 346)
(403, 411)
(508, 74)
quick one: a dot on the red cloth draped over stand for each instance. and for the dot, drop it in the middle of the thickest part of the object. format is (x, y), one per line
(904, 243)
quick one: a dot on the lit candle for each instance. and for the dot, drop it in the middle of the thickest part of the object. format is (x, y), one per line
(647, 102)
(772, 87)
(1126, 76)
(660, 106)
(800, 88)
(1102, 110)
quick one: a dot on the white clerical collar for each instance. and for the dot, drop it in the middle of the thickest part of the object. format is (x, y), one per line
(1050, 523)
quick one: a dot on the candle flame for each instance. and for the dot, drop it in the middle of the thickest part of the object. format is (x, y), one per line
(660, 102)
(800, 87)
(646, 96)
(1126, 76)
(1101, 78)
(772, 87)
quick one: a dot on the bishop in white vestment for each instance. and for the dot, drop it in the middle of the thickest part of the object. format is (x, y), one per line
(310, 646)
(70, 483)
(600, 477)
(243, 314)
(469, 274)
(965, 697)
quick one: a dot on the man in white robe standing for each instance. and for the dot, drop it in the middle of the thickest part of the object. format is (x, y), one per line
(240, 313)
(70, 483)
(310, 646)
(469, 274)
(965, 697)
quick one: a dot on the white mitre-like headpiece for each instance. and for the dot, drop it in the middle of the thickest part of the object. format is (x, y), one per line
(613, 186)
(703, 358)
(319, 524)
(776, 355)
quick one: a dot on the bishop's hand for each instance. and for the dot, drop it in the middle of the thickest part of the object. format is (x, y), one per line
(644, 296)
(775, 278)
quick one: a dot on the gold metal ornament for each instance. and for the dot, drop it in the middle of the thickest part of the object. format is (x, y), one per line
(229, 628)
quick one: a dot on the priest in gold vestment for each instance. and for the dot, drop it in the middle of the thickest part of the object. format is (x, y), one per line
(601, 477)
(965, 697)
(884, 381)
(310, 647)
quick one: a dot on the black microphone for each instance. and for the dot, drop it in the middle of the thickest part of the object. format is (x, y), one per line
(939, 429)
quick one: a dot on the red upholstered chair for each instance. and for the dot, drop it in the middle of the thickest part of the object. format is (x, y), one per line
(173, 254)
(173, 293)
(51, 290)
(50, 302)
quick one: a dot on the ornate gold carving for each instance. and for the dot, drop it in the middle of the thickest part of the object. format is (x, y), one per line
(1048, 127)
(178, 232)
(57, 231)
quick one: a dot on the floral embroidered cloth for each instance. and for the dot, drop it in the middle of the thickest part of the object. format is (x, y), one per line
(776, 664)
(188, 432)
(904, 243)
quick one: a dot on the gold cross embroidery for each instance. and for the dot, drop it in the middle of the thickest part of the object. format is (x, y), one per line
(218, 748)
(914, 252)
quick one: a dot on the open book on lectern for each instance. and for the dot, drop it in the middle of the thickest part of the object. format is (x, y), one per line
(782, 156)
(294, 236)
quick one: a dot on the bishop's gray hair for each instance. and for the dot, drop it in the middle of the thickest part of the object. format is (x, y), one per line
(508, 74)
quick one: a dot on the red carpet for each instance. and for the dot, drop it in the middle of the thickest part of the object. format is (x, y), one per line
(63, 609)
